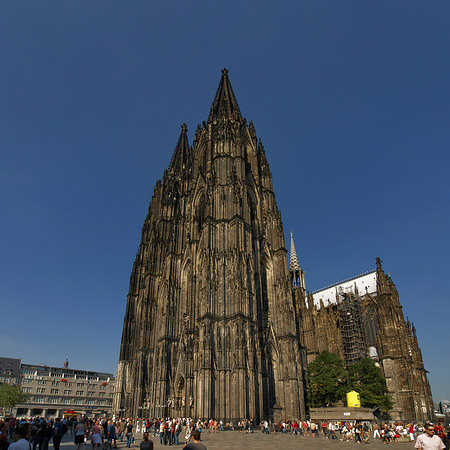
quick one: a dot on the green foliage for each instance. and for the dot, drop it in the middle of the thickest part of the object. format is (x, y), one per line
(327, 380)
(366, 378)
(10, 396)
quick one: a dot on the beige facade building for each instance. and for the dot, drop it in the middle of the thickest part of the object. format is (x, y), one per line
(53, 390)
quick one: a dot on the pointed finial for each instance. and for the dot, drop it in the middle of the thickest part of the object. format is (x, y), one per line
(225, 105)
(294, 265)
(184, 128)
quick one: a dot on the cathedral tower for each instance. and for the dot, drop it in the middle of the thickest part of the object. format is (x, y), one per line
(210, 328)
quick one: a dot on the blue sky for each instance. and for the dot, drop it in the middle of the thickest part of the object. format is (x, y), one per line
(350, 98)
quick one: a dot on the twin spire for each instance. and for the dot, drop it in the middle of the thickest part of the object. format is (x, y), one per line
(225, 105)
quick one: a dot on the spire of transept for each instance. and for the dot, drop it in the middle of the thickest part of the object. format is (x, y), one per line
(181, 150)
(293, 262)
(225, 105)
(297, 274)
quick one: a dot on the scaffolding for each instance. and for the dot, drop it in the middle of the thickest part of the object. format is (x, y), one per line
(351, 328)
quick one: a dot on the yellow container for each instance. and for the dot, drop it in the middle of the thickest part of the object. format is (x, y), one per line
(353, 400)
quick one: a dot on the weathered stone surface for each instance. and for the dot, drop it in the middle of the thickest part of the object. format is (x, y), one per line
(210, 327)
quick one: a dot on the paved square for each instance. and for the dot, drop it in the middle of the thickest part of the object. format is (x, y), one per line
(227, 440)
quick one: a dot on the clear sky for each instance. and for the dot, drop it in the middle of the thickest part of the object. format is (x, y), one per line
(350, 98)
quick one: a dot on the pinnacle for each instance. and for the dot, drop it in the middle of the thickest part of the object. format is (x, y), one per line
(225, 105)
(293, 262)
(181, 149)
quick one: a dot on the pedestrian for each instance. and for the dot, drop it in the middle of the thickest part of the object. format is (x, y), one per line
(196, 444)
(58, 433)
(20, 441)
(146, 444)
(129, 433)
(428, 440)
(110, 434)
(80, 430)
(96, 436)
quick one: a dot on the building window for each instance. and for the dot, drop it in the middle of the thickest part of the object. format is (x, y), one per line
(67, 392)
(91, 394)
(53, 400)
(67, 401)
(40, 390)
(54, 391)
(26, 389)
(90, 402)
(79, 392)
(39, 400)
(101, 394)
(42, 381)
(80, 384)
(55, 383)
(78, 402)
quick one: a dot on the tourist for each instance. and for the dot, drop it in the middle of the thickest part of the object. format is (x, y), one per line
(96, 436)
(428, 440)
(80, 430)
(4, 443)
(110, 433)
(58, 433)
(20, 441)
(146, 444)
(161, 431)
(376, 432)
(129, 433)
(196, 444)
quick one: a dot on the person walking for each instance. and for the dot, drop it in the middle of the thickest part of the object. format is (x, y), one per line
(129, 433)
(58, 433)
(80, 430)
(146, 444)
(196, 444)
(429, 440)
(96, 436)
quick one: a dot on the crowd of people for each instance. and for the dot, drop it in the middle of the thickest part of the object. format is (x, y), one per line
(105, 434)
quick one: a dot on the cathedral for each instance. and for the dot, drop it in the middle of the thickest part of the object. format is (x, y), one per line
(217, 325)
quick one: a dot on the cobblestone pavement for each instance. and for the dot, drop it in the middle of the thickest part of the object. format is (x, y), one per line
(227, 440)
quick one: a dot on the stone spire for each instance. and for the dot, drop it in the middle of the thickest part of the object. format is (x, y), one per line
(294, 266)
(297, 274)
(208, 305)
(180, 153)
(225, 105)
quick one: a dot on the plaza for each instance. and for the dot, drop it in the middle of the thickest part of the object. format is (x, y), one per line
(227, 440)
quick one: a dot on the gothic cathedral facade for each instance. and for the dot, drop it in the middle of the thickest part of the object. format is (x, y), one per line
(216, 324)
(210, 312)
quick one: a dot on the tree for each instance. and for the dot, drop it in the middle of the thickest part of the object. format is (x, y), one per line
(327, 380)
(366, 378)
(10, 396)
